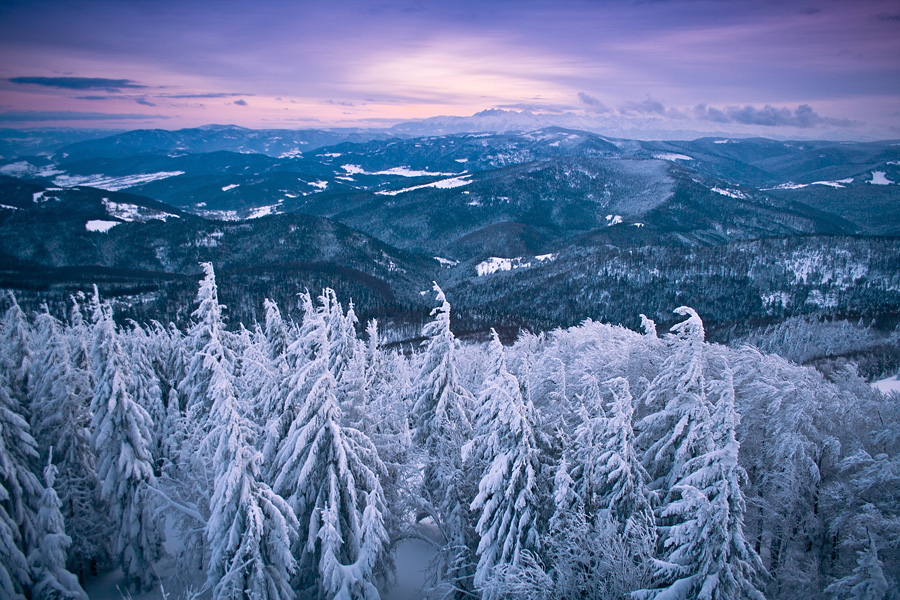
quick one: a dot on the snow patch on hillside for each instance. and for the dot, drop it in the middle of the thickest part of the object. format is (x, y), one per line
(443, 184)
(446, 262)
(132, 212)
(230, 187)
(739, 195)
(835, 184)
(100, 226)
(880, 178)
(613, 220)
(673, 156)
(494, 264)
(886, 386)
(113, 184)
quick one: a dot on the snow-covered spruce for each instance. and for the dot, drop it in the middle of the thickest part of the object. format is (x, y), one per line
(508, 494)
(48, 559)
(329, 475)
(250, 529)
(122, 440)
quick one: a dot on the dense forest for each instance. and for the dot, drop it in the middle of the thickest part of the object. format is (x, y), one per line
(292, 458)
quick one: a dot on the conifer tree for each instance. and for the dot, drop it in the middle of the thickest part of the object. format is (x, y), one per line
(329, 474)
(705, 552)
(61, 394)
(19, 489)
(48, 558)
(122, 440)
(623, 479)
(440, 414)
(508, 497)
(868, 580)
(250, 529)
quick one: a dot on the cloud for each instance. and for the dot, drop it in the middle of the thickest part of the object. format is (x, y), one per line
(339, 103)
(241, 102)
(210, 95)
(593, 104)
(78, 83)
(144, 102)
(22, 116)
(94, 97)
(888, 17)
(710, 113)
(537, 108)
(649, 106)
(803, 117)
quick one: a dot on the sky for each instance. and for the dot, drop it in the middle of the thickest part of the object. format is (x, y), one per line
(803, 69)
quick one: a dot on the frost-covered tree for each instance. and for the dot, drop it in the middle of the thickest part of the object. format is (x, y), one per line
(868, 580)
(677, 429)
(508, 501)
(623, 480)
(122, 440)
(329, 474)
(441, 408)
(15, 346)
(204, 344)
(48, 558)
(19, 490)
(440, 414)
(705, 552)
(145, 388)
(250, 529)
(61, 394)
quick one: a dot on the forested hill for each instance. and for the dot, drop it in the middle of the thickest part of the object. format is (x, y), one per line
(526, 230)
(295, 459)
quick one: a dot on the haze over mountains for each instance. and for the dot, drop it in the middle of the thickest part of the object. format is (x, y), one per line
(533, 228)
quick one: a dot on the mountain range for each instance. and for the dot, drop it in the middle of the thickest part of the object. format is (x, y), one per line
(534, 228)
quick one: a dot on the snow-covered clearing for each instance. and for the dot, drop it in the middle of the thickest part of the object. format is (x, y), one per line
(886, 386)
(443, 184)
(739, 195)
(880, 178)
(446, 262)
(495, 264)
(672, 156)
(132, 212)
(113, 184)
(100, 226)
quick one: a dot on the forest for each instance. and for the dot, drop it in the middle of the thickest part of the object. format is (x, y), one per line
(292, 458)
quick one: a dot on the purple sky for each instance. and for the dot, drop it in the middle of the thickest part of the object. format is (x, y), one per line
(804, 69)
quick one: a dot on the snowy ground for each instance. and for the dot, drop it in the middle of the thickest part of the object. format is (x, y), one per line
(891, 384)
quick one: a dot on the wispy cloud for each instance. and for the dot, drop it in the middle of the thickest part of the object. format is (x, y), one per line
(241, 102)
(592, 104)
(23, 116)
(78, 83)
(803, 117)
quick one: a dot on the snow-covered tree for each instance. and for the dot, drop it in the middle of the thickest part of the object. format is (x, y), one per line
(705, 552)
(440, 414)
(623, 480)
(508, 500)
(868, 580)
(442, 405)
(678, 428)
(19, 490)
(15, 346)
(61, 394)
(122, 440)
(204, 344)
(48, 558)
(250, 529)
(329, 474)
